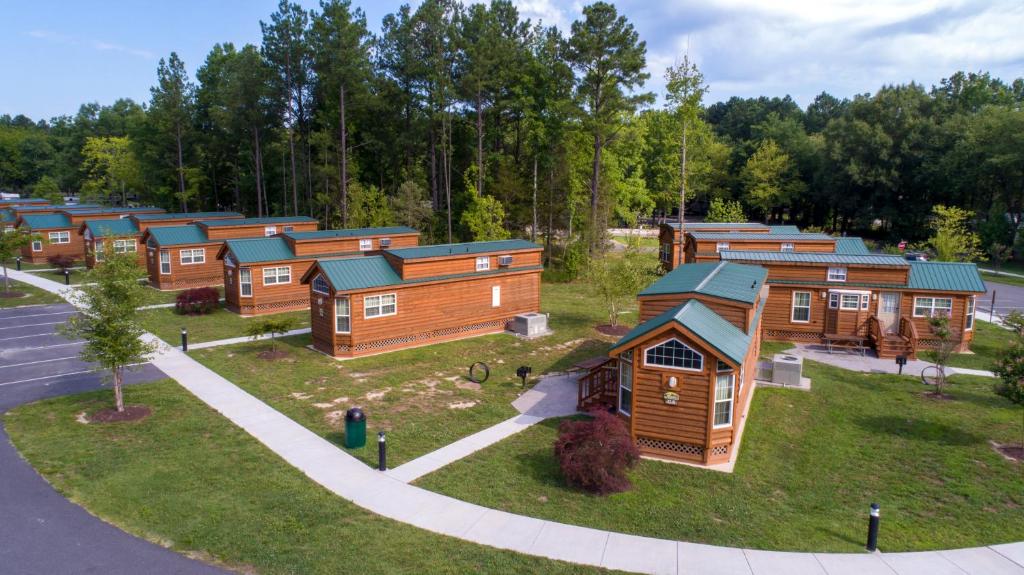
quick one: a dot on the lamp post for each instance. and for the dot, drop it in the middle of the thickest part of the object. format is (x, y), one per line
(184, 339)
(873, 520)
(382, 452)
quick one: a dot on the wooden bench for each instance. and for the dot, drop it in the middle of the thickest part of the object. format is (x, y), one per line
(854, 341)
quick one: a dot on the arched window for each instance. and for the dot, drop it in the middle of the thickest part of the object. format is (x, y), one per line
(320, 285)
(674, 354)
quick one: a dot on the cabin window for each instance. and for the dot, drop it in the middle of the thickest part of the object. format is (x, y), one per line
(849, 301)
(191, 257)
(37, 246)
(123, 246)
(933, 306)
(165, 262)
(626, 382)
(342, 315)
(665, 253)
(320, 285)
(969, 320)
(483, 263)
(98, 251)
(288, 229)
(380, 305)
(721, 246)
(495, 296)
(801, 307)
(365, 245)
(836, 274)
(269, 230)
(245, 282)
(724, 387)
(279, 275)
(60, 237)
(674, 354)
(8, 229)
(384, 242)
(786, 247)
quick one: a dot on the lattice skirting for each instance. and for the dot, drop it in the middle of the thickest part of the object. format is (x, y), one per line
(672, 446)
(196, 282)
(789, 335)
(419, 338)
(719, 450)
(273, 307)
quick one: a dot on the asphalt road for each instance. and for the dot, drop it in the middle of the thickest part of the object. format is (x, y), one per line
(41, 531)
(1008, 298)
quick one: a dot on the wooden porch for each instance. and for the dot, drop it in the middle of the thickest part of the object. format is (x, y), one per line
(891, 345)
(599, 386)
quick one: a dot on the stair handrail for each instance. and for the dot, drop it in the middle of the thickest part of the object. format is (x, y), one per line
(908, 330)
(596, 382)
(874, 329)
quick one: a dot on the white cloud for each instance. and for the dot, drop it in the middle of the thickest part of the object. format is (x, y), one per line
(99, 45)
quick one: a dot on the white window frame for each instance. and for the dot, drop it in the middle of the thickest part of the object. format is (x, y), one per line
(495, 296)
(969, 318)
(376, 304)
(269, 231)
(626, 381)
(196, 256)
(121, 246)
(844, 302)
(699, 355)
(794, 307)
(483, 263)
(97, 250)
(786, 247)
(837, 274)
(243, 283)
(272, 276)
(61, 237)
(721, 247)
(366, 244)
(384, 243)
(37, 245)
(162, 262)
(932, 308)
(338, 316)
(287, 229)
(665, 253)
(320, 285)
(731, 400)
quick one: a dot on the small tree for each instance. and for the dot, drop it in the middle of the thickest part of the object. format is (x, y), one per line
(1015, 321)
(944, 349)
(270, 325)
(1010, 369)
(721, 210)
(485, 219)
(10, 244)
(952, 240)
(48, 189)
(997, 254)
(109, 320)
(197, 301)
(595, 454)
(617, 280)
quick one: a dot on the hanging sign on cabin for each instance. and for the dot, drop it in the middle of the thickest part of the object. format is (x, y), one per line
(670, 397)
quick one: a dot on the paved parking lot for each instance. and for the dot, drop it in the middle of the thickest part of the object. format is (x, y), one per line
(41, 531)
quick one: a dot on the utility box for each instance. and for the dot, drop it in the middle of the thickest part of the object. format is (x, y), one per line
(530, 325)
(787, 370)
(355, 428)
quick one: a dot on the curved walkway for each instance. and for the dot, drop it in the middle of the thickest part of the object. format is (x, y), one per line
(348, 477)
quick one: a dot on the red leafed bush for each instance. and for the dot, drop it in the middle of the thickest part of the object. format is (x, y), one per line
(594, 454)
(61, 262)
(197, 301)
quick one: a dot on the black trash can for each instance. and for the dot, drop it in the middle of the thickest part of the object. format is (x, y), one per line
(355, 428)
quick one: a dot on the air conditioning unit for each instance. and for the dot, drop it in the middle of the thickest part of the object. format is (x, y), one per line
(530, 325)
(385, 243)
(504, 261)
(787, 370)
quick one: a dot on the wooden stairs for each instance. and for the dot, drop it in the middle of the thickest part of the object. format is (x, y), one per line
(891, 346)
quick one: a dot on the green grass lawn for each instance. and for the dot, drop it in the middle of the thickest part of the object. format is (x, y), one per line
(419, 396)
(77, 276)
(188, 479)
(1012, 267)
(1003, 279)
(33, 296)
(989, 341)
(642, 241)
(809, 466)
(166, 324)
(27, 267)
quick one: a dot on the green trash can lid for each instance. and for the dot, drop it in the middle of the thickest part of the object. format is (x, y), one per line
(355, 414)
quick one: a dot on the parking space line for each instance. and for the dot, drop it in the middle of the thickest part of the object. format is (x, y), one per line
(32, 325)
(39, 361)
(49, 333)
(38, 314)
(94, 370)
(50, 346)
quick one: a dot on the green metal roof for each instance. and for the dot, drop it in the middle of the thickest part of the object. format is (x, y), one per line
(736, 225)
(45, 221)
(116, 210)
(193, 215)
(718, 279)
(359, 273)
(699, 319)
(466, 248)
(63, 208)
(7, 216)
(177, 235)
(724, 236)
(252, 250)
(783, 230)
(851, 246)
(350, 233)
(259, 221)
(115, 227)
(814, 258)
(945, 276)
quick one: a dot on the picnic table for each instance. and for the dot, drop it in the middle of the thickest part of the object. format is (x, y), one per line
(854, 341)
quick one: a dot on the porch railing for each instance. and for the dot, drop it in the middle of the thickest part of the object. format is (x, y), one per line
(909, 331)
(874, 329)
(597, 383)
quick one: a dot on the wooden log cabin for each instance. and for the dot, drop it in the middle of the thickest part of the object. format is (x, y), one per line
(418, 296)
(884, 300)
(12, 202)
(126, 234)
(262, 275)
(671, 250)
(705, 246)
(58, 233)
(181, 257)
(683, 378)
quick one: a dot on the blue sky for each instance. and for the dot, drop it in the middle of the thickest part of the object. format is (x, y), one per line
(57, 55)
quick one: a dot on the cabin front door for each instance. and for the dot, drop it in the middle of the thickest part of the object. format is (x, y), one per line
(889, 311)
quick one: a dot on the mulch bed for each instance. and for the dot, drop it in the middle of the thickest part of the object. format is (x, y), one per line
(12, 294)
(1010, 450)
(937, 396)
(130, 413)
(270, 355)
(614, 330)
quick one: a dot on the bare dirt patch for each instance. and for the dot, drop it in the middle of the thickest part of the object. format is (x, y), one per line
(612, 330)
(13, 294)
(937, 396)
(130, 413)
(462, 404)
(82, 418)
(271, 355)
(1011, 451)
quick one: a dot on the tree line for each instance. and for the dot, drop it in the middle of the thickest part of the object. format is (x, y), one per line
(470, 122)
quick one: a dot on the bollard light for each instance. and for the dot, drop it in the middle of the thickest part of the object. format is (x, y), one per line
(17, 261)
(873, 520)
(184, 339)
(67, 277)
(382, 452)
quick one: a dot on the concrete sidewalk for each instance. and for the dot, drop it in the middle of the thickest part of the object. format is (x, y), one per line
(380, 493)
(234, 340)
(869, 363)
